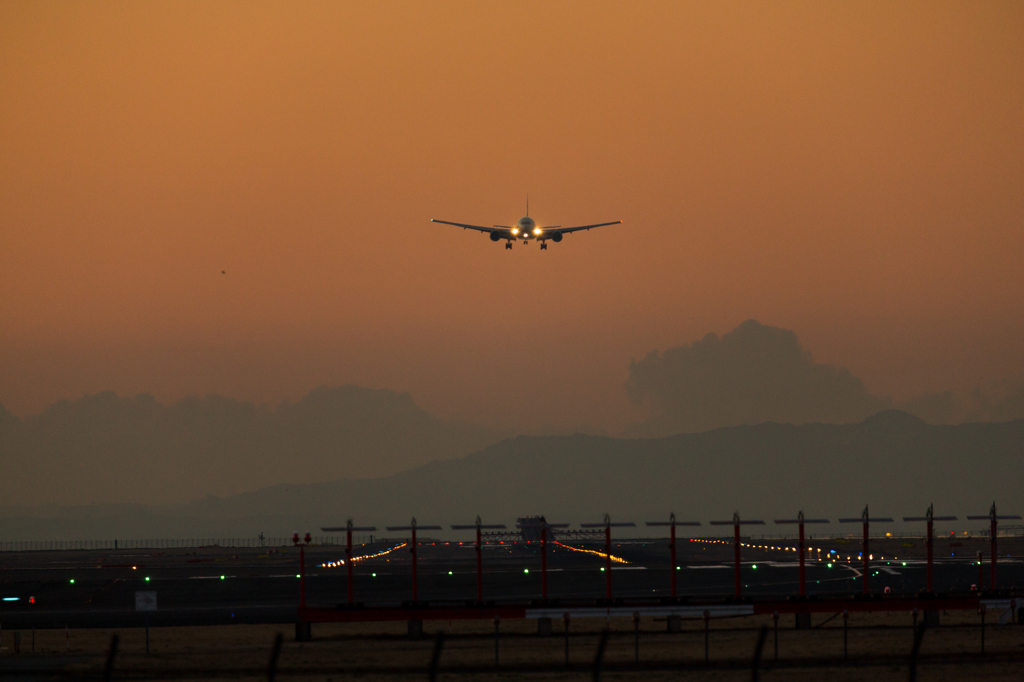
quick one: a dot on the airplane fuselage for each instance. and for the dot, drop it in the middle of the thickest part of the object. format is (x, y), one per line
(525, 229)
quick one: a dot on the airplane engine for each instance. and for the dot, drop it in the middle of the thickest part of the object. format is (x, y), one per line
(556, 237)
(495, 236)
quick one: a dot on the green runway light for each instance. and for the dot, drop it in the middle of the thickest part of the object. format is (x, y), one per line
(147, 578)
(830, 565)
(602, 568)
(373, 575)
(297, 575)
(72, 581)
(755, 567)
(526, 570)
(222, 578)
(678, 567)
(904, 563)
(449, 572)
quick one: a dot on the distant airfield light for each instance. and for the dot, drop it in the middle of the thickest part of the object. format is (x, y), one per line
(373, 575)
(222, 577)
(12, 598)
(147, 578)
(72, 581)
(526, 570)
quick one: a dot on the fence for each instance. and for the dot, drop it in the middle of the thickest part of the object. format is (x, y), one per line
(624, 652)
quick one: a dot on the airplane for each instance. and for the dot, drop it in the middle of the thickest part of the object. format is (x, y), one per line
(526, 229)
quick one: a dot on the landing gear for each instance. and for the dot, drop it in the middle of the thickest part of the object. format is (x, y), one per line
(543, 246)
(508, 245)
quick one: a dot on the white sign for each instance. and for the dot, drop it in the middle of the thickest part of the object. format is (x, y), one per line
(145, 601)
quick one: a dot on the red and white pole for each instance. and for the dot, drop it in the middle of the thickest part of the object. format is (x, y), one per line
(608, 558)
(415, 592)
(930, 543)
(302, 567)
(865, 550)
(543, 559)
(930, 519)
(348, 560)
(302, 576)
(994, 532)
(672, 548)
(736, 551)
(994, 551)
(803, 581)
(479, 563)
(478, 548)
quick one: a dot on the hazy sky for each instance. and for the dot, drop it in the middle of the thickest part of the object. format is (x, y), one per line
(851, 171)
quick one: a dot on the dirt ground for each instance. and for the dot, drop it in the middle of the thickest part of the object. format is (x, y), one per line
(879, 649)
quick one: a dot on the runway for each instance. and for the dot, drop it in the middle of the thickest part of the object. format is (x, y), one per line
(213, 585)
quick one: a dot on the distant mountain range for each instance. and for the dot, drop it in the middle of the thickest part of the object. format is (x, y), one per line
(893, 461)
(107, 449)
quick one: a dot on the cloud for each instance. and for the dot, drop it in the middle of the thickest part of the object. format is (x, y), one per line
(753, 374)
(999, 401)
(936, 408)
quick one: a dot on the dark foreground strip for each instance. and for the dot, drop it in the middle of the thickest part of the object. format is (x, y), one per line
(128, 673)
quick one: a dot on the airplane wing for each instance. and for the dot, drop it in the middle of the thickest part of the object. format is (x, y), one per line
(480, 228)
(567, 230)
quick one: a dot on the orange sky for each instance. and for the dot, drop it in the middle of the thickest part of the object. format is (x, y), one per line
(851, 171)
